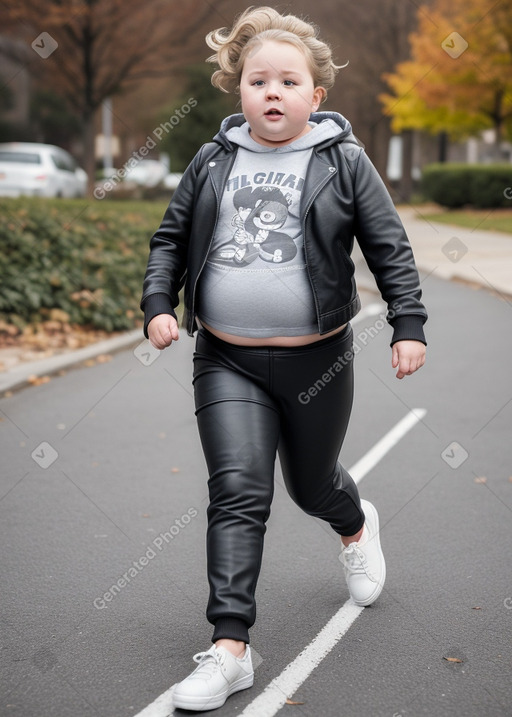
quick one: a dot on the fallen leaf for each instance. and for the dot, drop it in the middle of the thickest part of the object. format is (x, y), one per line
(481, 479)
(476, 608)
(175, 470)
(146, 515)
(290, 702)
(452, 659)
(510, 479)
(34, 380)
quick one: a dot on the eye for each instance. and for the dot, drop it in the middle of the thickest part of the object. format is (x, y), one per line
(258, 83)
(288, 83)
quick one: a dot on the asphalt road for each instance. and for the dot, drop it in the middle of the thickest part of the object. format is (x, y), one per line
(103, 484)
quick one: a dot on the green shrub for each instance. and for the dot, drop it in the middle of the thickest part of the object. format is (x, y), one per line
(83, 258)
(477, 185)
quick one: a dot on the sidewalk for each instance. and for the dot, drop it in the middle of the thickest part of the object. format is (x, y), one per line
(480, 258)
(22, 374)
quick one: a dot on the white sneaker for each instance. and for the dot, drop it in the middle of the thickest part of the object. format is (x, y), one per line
(217, 676)
(365, 567)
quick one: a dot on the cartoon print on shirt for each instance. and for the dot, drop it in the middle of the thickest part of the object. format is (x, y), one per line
(260, 213)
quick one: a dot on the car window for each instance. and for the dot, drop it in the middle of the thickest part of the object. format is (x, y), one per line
(20, 157)
(62, 162)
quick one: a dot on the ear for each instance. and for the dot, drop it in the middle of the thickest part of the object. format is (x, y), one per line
(319, 94)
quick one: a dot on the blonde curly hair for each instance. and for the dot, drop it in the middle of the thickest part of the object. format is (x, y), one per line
(251, 28)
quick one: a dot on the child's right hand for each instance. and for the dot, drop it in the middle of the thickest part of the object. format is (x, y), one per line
(163, 330)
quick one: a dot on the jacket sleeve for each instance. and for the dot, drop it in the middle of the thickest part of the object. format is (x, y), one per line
(167, 263)
(388, 253)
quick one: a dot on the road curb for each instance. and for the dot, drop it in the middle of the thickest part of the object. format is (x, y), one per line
(18, 377)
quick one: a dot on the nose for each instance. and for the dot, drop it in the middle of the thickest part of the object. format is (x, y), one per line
(274, 91)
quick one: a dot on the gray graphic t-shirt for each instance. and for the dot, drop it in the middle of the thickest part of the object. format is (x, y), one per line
(255, 281)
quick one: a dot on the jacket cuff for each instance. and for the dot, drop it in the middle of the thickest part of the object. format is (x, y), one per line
(408, 328)
(156, 304)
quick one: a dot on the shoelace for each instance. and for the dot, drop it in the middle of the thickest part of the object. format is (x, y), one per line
(355, 561)
(208, 662)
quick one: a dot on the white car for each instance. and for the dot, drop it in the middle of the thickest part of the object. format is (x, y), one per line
(39, 170)
(172, 180)
(147, 173)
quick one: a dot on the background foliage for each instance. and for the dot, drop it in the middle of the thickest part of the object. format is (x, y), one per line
(75, 261)
(483, 186)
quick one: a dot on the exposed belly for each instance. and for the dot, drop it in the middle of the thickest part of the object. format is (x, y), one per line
(272, 340)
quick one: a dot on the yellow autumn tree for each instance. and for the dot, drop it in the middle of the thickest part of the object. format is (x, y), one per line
(459, 77)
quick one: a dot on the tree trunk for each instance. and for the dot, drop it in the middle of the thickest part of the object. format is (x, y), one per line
(89, 161)
(498, 123)
(406, 181)
(442, 147)
(378, 146)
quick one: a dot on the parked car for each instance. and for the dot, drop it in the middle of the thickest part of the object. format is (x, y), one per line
(41, 170)
(147, 173)
(172, 180)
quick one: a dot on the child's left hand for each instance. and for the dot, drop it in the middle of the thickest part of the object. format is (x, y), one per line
(409, 356)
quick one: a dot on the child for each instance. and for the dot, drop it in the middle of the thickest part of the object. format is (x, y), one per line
(269, 284)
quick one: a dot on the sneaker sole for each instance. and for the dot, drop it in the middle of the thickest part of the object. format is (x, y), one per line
(370, 511)
(210, 703)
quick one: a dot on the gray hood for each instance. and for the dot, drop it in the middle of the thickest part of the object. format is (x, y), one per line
(332, 128)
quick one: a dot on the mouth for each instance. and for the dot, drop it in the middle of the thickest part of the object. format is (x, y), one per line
(273, 112)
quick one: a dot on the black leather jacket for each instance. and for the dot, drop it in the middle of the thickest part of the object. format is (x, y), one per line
(343, 197)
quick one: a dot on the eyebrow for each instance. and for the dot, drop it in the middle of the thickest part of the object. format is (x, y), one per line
(283, 72)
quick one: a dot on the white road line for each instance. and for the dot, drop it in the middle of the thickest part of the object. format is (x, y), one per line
(161, 707)
(274, 696)
(379, 450)
(291, 678)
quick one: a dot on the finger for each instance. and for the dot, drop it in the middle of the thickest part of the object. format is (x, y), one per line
(403, 368)
(394, 357)
(174, 331)
(159, 339)
(166, 338)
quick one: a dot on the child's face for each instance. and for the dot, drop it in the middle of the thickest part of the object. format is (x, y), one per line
(278, 93)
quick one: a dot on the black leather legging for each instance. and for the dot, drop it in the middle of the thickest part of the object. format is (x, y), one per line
(250, 403)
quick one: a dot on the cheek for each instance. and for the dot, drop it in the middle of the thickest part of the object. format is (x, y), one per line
(247, 101)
